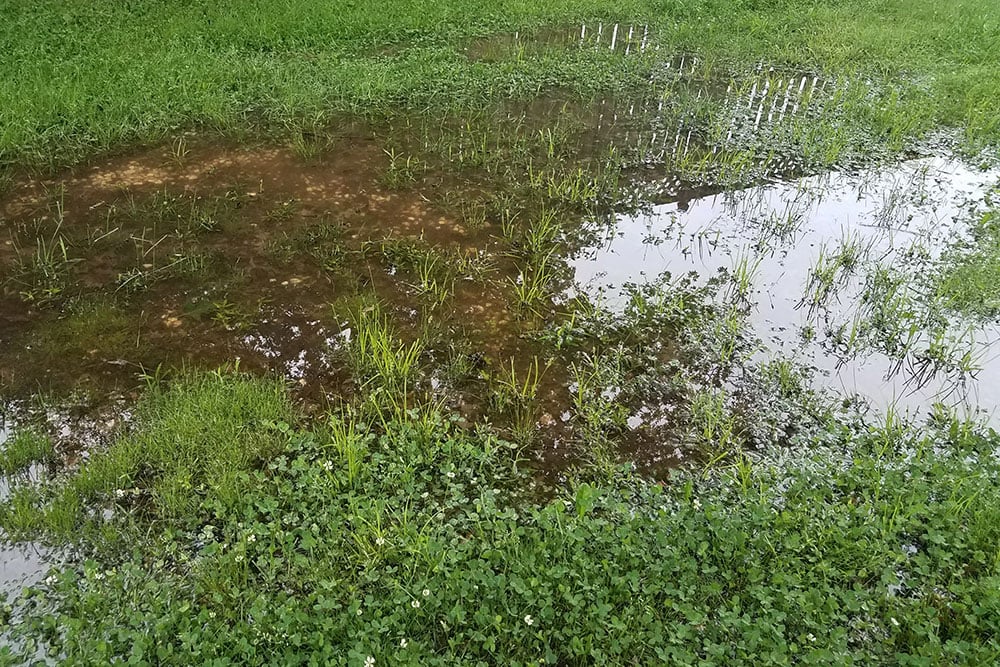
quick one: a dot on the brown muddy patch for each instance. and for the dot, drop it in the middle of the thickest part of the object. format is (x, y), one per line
(255, 257)
(342, 181)
(154, 233)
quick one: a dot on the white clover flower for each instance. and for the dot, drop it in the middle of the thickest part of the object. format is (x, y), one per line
(379, 541)
(811, 637)
(51, 579)
(427, 592)
(327, 465)
(415, 604)
(403, 643)
(894, 621)
(211, 614)
(120, 493)
(370, 661)
(359, 611)
(251, 538)
(529, 620)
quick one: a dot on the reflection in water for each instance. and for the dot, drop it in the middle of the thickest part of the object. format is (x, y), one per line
(702, 120)
(20, 564)
(814, 256)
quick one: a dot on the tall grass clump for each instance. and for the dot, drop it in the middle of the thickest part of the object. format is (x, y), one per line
(189, 451)
(23, 449)
(379, 360)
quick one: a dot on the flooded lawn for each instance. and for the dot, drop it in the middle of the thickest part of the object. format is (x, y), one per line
(617, 279)
(385, 341)
(834, 269)
(470, 233)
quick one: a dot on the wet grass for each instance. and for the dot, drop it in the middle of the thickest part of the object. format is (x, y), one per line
(25, 448)
(969, 279)
(443, 450)
(416, 542)
(71, 80)
(197, 439)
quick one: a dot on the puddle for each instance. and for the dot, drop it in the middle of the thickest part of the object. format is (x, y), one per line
(622, 38)
(202, 254)
(20, 564)
(776, 239)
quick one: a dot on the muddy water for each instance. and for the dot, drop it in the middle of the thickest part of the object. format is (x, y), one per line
(777, 236)
(277, 239)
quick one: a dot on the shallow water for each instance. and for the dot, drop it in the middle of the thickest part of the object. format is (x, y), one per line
(619, 38)
(20, 564)
(776, 234)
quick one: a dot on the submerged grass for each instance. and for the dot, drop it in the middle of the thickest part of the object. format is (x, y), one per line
(969, 279)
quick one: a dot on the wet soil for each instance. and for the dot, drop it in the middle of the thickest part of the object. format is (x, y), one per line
(201, 253)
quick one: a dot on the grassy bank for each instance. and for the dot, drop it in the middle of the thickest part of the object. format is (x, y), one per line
(416, 542)
(73, 82)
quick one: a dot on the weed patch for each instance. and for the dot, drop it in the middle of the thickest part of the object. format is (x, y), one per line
(409, 543)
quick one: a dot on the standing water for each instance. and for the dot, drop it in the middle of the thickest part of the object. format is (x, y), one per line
(23, 563)
(821, 261)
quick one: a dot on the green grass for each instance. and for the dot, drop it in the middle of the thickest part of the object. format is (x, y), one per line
(969, 279)
(22, 450)
(412, 544)
(72, 81)
(192, 445)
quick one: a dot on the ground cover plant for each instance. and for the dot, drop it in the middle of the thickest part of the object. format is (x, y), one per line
(418, 542)
(655, 332)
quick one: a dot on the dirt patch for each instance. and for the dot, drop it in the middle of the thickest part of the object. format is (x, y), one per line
(211, 253)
